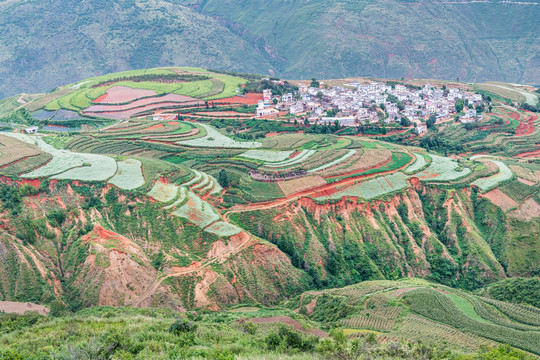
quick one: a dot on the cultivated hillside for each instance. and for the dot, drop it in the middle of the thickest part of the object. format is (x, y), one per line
(44, 44)
(163, 189)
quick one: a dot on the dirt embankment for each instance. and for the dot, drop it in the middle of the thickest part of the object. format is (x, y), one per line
(13, 307)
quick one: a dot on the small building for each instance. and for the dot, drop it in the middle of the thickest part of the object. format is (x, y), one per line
(31, 130)
(343, 120)
(400, 88)
(296, 109)
(420, 129)
(267, 96)
(269, 112)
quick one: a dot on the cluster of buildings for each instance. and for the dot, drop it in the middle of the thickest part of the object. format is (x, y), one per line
(365, 103)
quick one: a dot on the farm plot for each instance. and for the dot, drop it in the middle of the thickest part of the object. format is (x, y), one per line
(302, 156)
(12, 150)
(168, 98)
(163, 192)
(487, 183)
(215, 139)
(335, 162)
(415, 327)
(129, 175)
(197, 211)
(418, 165)
(69, 165)
(43, 114)
(368, 162)
(123, 94)
(381, 318)
(267, 155)
(224, 229)
(442, 169)
(500, 199)
(298, 185)
(374, 188)
(94, 168)
(441, 308)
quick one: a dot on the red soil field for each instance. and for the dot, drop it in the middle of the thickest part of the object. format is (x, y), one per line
(126, 114)
(526, 127)
(534, 153)
(142, 102)
(327, 192)
(500, 199)
(249, 99)
(159, 126)
(123, 94)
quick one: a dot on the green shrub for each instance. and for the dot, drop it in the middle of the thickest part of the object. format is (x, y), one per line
(182, 326)
(287, 338)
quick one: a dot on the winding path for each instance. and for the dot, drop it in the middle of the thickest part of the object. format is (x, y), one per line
(221, 258)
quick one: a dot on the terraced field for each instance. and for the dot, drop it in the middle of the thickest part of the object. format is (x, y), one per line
(427, 312)
(127, 94)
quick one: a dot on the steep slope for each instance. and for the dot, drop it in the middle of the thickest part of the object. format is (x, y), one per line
(453, 237)
(389, 38)
(73, 244)
(44, 44)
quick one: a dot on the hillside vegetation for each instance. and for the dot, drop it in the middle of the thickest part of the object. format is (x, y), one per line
(408, 319)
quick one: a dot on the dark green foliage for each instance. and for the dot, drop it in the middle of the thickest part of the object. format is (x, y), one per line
(57, 308)
(287, 338)
(431, 121)
(517, 290)
(57, 217)
(182, 326)
(111, 196)
(157, 260)
(223, 178)
(21, 116)
(11, 199)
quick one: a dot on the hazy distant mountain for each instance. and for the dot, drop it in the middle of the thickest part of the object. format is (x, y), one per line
(51, 42)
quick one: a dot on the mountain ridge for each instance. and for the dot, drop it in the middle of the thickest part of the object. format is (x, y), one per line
(473, 42)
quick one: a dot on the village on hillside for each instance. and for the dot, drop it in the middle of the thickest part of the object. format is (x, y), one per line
(374, 103)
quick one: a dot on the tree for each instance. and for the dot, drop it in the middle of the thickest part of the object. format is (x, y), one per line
(306, 121)
(444, 87)
(459, 106)
(206, 104)
(405, 122)
(275, 101)
(431, 121)
(314, 83)
(320, 94)
(383, 108)
(223, 179)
